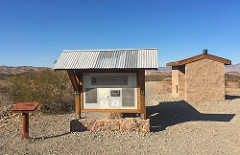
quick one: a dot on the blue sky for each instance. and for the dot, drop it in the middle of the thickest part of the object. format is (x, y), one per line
(34, 33)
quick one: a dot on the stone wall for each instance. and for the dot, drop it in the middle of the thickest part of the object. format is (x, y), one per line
(205, 80)
(175, 81)
(108, 124)
(178, 81)
(181, 85)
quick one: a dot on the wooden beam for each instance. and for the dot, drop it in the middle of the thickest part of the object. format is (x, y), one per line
(106, 71)
(142, 90)
(139, 105)
(77, 86)
(25, 125)
(80, 77)
(73, 80)
(198, 57)
(77, 105)
(112, 110)
(225, 61)
(183, 62)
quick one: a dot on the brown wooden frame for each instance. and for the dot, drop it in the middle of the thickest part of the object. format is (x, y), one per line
(77, 83)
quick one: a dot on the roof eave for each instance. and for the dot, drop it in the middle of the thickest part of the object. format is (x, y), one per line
(199, 57)
(104, 69)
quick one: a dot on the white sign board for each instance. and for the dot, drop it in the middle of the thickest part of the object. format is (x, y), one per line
(109, 91)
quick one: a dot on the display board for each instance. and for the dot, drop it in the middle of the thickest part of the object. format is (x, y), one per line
(109, 91)
(109, 80)
(91, 95)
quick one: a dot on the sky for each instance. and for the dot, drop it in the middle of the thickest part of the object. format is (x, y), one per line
(35, 32)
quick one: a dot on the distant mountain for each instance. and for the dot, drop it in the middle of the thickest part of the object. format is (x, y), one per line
(5, 70)
(165, 69)
(232, 68)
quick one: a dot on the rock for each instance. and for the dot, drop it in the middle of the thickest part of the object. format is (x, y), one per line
(114, 115)
(76, 126)
(135, 124)
(106, 124)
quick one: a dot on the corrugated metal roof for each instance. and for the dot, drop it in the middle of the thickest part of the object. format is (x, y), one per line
(108, 59)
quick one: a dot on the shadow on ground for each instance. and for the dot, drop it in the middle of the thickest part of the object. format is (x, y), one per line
(49, 137)
(170, 113)
(231, 97)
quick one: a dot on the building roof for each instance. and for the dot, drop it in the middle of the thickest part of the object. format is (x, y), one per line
(199, 57)
(108, 59)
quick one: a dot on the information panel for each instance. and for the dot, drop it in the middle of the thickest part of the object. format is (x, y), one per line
(91, 95)
(109, 80)
(109, 91)
(115, 93)
(128, 97)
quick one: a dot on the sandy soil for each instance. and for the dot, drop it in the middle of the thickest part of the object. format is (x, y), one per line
(178, 127)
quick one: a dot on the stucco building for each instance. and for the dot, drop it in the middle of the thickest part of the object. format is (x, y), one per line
(200, 77)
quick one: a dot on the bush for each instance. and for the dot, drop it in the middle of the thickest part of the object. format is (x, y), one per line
(232, 77)
(51, 89)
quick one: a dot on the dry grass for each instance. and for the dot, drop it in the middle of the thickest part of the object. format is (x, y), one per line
(158, 76)
(52, 90)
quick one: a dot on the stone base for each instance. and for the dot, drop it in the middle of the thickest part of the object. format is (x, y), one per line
(107, 124)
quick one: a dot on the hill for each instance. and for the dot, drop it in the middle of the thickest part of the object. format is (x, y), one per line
(232, 68)
(51, 89)
(5, 70)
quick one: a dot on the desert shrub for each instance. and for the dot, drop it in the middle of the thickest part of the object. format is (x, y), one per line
(232, 77)
(51, 89)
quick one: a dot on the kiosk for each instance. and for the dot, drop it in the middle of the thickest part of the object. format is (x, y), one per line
(108, 80)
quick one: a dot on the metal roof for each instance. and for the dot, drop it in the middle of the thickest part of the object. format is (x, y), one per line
(108, 59)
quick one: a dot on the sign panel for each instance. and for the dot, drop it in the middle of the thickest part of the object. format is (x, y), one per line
(104, 103)
(25, 107)
(128, 97)
(115, 102)
(109, 80)
(115, 93)
(91, 95)
(109, 91)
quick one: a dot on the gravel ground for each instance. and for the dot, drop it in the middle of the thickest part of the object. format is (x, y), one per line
(178, 127)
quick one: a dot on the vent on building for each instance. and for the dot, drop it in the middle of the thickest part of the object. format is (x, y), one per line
(205, 51)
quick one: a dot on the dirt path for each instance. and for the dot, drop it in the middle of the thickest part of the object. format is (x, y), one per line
(179, 127)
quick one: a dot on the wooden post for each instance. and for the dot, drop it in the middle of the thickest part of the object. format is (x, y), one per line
(77, 84)
(80, 91)
(143, 96)
(142, 92)
(77, 105)
(25, 108)
(139, 102)
(25, 125)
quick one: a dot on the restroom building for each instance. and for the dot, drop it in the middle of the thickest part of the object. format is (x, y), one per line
(200, 77)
